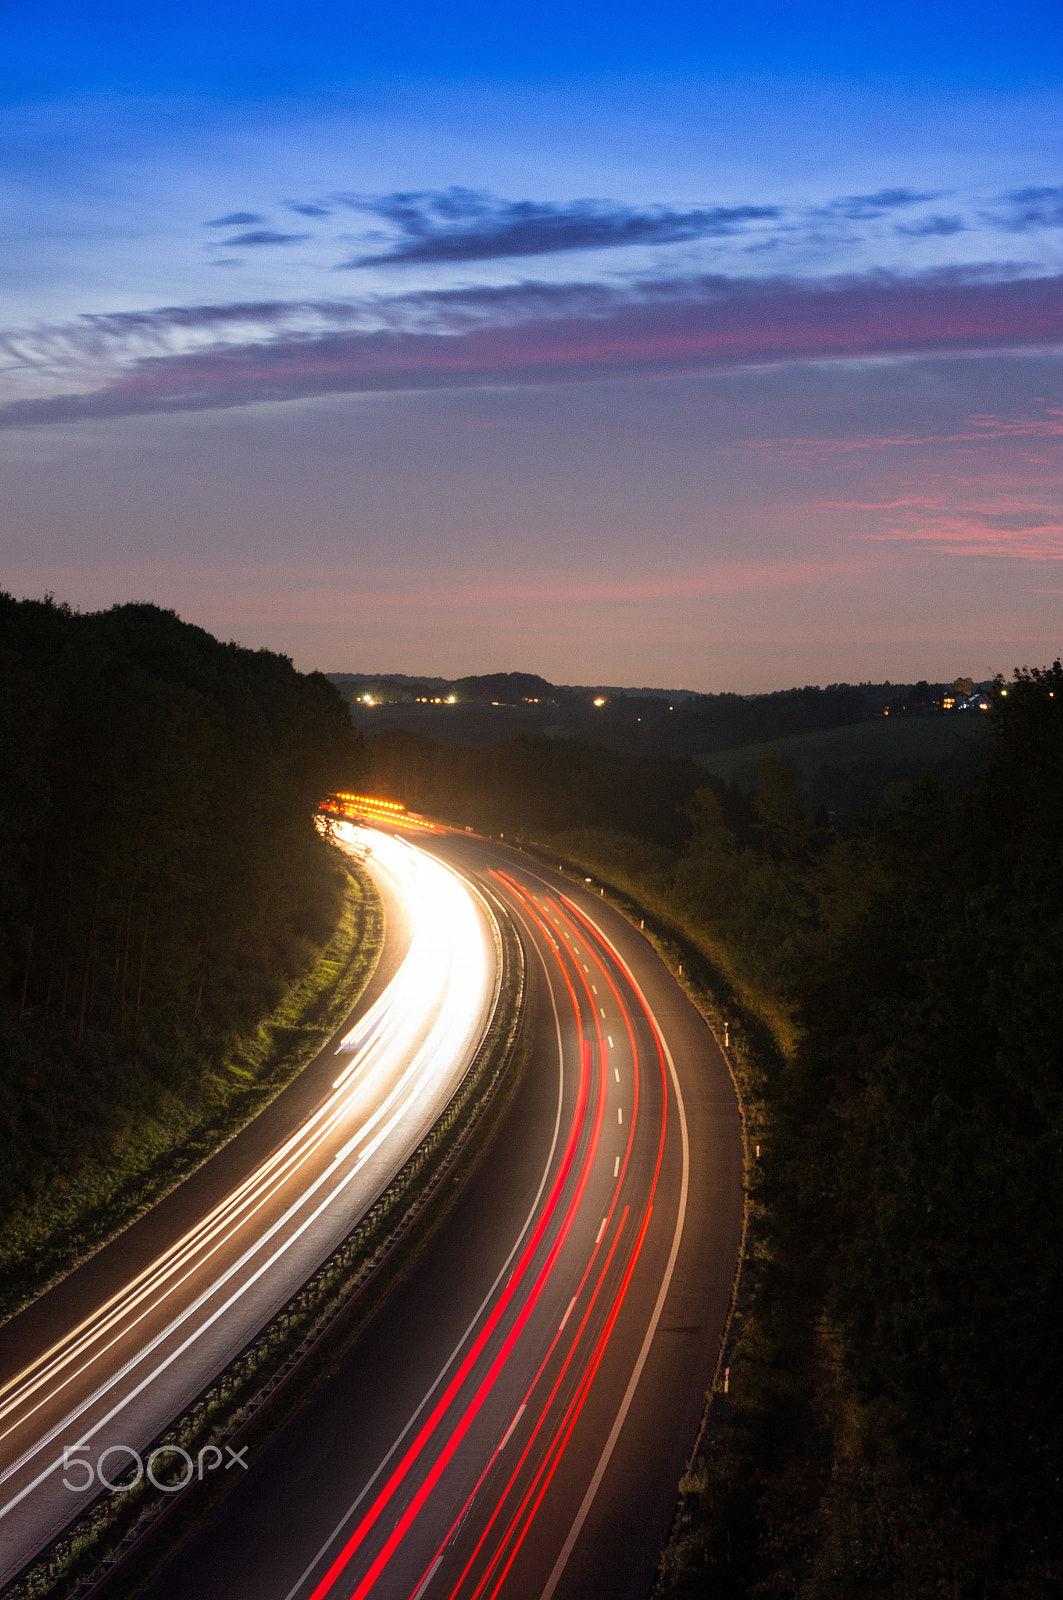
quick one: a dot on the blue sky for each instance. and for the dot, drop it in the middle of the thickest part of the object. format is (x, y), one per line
(710, 347)
(246, 51)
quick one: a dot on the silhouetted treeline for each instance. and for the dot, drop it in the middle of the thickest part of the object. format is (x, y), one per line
(161, 880)
(534, 784)
(723, 722)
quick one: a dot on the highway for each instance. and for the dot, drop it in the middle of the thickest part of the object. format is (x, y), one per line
(93, 1370)
(515, 1420)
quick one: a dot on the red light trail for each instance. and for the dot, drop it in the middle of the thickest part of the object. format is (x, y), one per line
(505, 1527)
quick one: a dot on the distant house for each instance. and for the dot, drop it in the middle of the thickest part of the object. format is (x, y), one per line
(963, 696)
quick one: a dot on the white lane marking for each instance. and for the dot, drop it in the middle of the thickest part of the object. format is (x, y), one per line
(610, 1038)
(349, 1513)
(428, 1577)
(620, 1114)
(616, 1072)
(594, 988)
(516, 1419)
(566, 1316)
(629, 1394)
(601, 1230)
(602, 1010)
(616, 1167)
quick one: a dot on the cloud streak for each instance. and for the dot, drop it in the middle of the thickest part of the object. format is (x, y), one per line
(865, 207)
(1018, 536)
(526, 334)
(979, 430)
(462, 225)
(235, 219)
(260, 236)
(1027, 209)
(455, 227)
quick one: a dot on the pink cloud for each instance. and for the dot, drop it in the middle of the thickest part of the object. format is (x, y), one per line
(313, 591)
(656, 329)
(979, 430)
(1020, 533)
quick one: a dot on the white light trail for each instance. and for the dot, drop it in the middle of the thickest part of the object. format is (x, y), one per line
(411, 1049)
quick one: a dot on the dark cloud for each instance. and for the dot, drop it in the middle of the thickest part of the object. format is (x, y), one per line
(266, 236)
(235, 219)
(463, 225)
(310, 210)
(863, 207)
(1031, 208)
(539, 334)
(927, 227)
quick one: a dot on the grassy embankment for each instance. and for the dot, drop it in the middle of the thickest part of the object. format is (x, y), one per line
(78, 1212)
(641, 880)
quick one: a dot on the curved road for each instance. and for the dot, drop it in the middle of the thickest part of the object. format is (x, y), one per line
(94, 1370)
(515, 1421)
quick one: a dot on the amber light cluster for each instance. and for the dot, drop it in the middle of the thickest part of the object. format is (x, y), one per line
(391, 813)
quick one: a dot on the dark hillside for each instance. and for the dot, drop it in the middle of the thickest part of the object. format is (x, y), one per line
(509, 688)
(161, 879)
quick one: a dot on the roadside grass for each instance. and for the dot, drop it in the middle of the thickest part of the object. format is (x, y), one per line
(75, 1216)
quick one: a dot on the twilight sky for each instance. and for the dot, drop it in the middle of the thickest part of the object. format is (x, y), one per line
(671, 343)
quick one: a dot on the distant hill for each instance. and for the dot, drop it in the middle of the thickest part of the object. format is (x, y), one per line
(507, 688)
(483, 710)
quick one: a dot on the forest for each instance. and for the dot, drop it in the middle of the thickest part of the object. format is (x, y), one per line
(536, 784)
(162, 883)
(894, 1420)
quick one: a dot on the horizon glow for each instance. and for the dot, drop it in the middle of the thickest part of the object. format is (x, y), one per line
(651, 345)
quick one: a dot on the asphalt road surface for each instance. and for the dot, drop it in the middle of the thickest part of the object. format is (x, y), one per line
(514, 1422)
(94, 1370)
